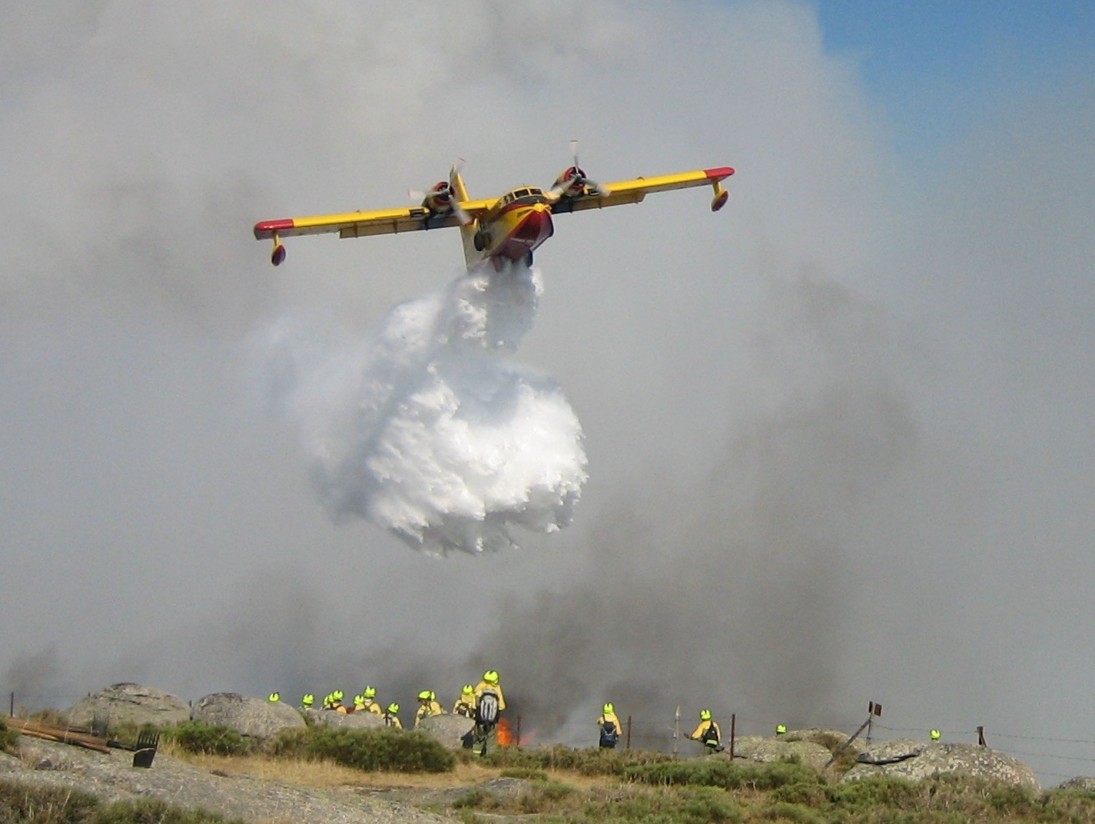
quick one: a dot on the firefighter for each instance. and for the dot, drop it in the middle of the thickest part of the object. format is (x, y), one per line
(489, 702)
(465, 704)
(610, 727)
(307, 700)
(370, 701)
(391, 716)
(274, 697)
(428, 706)
(707, 732)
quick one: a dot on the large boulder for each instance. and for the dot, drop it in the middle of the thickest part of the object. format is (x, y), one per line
(771, 750)
(450, 730)
(252, 717)
(128, 703)
(354, 720)
(1082, 783)
(918, 760)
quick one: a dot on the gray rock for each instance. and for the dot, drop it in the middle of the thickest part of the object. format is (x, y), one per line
(360, 720)
(1081, 782)
(253, 717)
(918, 760)
(128, 703)
(448, 729)
(768, 750)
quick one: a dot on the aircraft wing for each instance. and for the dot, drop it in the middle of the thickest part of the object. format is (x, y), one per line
(366, 224)
(634, 190)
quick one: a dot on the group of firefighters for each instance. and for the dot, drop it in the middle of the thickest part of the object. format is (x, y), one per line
(481, 702)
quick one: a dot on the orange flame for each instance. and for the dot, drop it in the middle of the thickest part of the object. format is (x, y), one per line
(506, 738)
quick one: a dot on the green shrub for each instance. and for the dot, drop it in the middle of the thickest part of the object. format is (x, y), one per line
(9, 738)
(782, 811)
(380, 750)
(24, 804)
(877, 791)
(211, 739)
(587, 761)
(721, 772)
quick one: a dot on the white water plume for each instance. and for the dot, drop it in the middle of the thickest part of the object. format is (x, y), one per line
(428, 428)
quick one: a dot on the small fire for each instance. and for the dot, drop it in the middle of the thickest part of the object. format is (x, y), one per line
(506, 738)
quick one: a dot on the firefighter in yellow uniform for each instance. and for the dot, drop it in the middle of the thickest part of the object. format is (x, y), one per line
(610, 727)
(489, 701)
(391, 717)
(370, 704)
(428, 706)
(707, 732)
(465, 704)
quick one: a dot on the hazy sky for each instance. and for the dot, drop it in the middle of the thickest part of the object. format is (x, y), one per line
(840, 434)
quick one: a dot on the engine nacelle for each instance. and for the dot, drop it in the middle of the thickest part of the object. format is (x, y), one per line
(439, 199)
(571, 183)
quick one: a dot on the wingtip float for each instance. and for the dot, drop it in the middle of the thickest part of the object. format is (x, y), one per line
(507, 228)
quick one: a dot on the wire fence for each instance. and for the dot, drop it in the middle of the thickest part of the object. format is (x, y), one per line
(1047, 755)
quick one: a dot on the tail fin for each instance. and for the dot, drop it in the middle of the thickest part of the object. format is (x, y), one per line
(472, 257)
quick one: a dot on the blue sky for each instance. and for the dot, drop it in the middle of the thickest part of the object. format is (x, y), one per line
(935, 65)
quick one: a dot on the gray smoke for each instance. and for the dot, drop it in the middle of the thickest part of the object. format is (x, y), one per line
(730, 591)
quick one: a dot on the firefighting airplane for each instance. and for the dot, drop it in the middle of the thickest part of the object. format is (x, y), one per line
(508, 228)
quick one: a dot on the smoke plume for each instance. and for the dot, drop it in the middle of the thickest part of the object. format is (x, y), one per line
(428, 429)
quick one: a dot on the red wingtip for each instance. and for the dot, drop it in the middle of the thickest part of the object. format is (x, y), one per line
(718, 173)
(266, 229)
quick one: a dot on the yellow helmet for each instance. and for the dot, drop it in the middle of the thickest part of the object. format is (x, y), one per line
(936, 735)
(370, 692)
(424, 695)
(781, 729)
(609, 707)
(491, 676)
(393, 708)
(468, 689)
(705, 715)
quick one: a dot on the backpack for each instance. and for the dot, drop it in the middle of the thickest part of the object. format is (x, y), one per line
(608, 734)
(486, 709)
(710, 736)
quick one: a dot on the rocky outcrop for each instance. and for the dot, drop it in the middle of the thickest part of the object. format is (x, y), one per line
(768, 750)
(450, 730)
(918, 760)
(359, 720)
(1082, 783)
(128, 703)
(252, 717)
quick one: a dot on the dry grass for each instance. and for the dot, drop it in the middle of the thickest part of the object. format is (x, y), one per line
(328, 774)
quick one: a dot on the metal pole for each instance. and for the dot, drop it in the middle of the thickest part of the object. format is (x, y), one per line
(629, 732)
(676, 729)
(517, 740)
(733, 724)
(981, 736)
(11, 705)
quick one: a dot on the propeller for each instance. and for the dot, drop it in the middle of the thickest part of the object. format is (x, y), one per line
(575, 180)
(444, 194)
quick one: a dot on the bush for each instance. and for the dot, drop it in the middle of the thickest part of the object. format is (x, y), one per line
(60, 805)
(371, 750)
(210, 739)
(9, 738)
(584, 761)
(721, 772)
